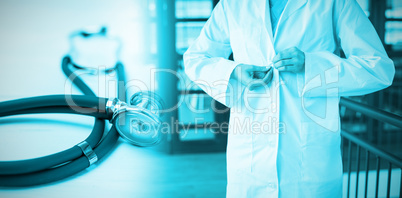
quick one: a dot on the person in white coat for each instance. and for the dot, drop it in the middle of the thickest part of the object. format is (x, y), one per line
(283, 88)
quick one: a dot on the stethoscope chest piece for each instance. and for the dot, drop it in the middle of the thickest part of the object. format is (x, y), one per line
(139, 123)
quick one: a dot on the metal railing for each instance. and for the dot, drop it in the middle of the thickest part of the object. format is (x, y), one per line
(370, 148)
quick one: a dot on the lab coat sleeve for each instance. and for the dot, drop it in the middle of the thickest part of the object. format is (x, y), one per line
(206, 63)
(366, 69)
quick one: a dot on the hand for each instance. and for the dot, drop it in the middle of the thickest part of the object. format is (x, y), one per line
(291, 59)
(253, 76)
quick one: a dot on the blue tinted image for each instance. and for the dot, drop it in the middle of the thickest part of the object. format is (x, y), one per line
(201, 98)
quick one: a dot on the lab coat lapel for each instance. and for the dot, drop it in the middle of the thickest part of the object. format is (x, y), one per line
(266, 44)
(291, 7)
(267, 21)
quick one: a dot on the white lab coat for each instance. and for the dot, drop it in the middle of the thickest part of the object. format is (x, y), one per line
(284, 139)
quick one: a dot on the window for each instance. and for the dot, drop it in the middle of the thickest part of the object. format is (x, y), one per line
(393, 26)
(186, 33)
(193, 8)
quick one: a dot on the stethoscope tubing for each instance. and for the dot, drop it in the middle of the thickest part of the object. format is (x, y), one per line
(53, 104)
(54, 174)
(85, 104)
(54, 167)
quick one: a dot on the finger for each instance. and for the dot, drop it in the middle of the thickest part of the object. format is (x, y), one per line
(262, 82)
(268, 77)
(283, 65)
(255, 84)
(285, 54)
(297, 68)
(284, 62)
(259, 68)
(259, 75)
(246, 80)
(252, 87)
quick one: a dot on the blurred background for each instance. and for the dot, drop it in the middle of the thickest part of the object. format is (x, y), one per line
(190, 162)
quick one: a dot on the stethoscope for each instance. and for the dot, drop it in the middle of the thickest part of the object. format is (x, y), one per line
(137, 121)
